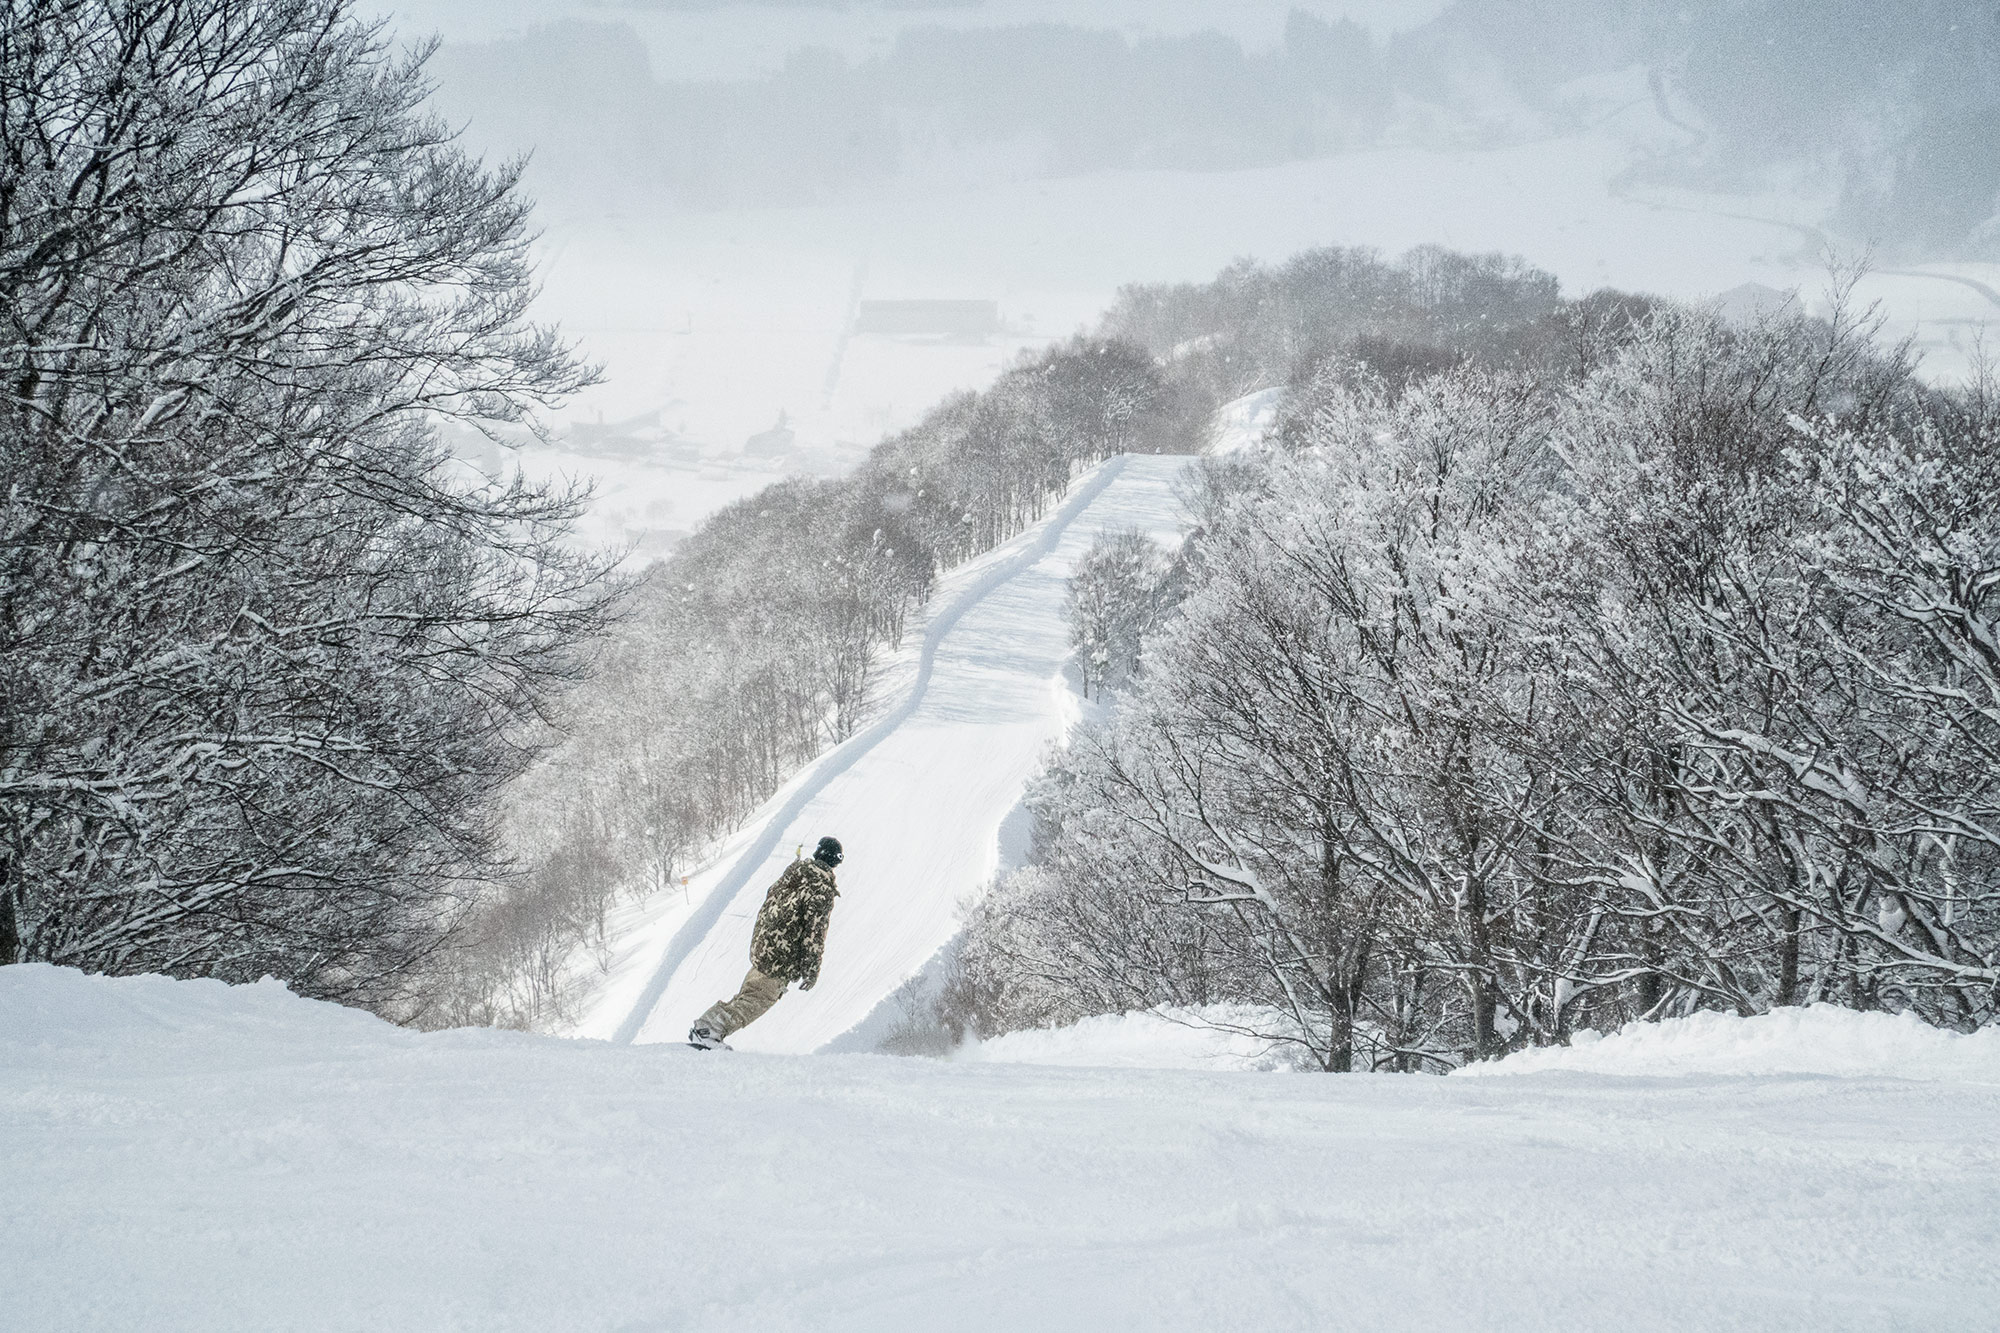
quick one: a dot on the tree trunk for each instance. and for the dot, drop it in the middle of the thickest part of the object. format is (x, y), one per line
(1649, 984)
(1788, 958)
(10, 926)
(1485, 1037)
(1340, 1058)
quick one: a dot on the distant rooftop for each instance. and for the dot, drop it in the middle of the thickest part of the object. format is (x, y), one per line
(947, 319)
(773, 443)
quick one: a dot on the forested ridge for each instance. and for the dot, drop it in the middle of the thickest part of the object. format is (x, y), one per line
(267, 655)
(1886, 106)
(1536, 688)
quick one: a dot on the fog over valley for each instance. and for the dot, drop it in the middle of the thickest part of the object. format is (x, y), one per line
(725, 187)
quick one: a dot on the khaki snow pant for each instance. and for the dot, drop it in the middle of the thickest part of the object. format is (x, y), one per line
(757, 994)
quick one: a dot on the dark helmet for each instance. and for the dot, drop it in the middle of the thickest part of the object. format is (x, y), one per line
(828, 852)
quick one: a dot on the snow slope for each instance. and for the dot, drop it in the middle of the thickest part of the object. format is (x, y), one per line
(1244, 424)
(918, 799)
(182, 1155)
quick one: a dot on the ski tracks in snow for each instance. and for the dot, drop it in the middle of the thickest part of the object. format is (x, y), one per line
(827, 769)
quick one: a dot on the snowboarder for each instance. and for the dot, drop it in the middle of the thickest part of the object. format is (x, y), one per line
(786, 945)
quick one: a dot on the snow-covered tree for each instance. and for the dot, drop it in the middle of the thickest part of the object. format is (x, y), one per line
(1872, 766)
(1113, 600)
(266, 653)
(1500, 705)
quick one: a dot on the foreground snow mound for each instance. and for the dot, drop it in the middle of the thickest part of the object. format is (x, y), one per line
(50, 1008)
(1217, 1036)
(188, 1155)
(1823, 1039)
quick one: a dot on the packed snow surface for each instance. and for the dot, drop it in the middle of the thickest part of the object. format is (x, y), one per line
(920, 799)
(182, 1155)
(1246, 423)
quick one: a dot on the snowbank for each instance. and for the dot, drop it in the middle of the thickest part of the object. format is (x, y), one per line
(60, 1012)
(1822, 1039)
(1244, 423)
(1213, 1037)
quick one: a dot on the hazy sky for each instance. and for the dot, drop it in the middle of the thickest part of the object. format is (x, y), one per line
(697, 39)
(1253, 21)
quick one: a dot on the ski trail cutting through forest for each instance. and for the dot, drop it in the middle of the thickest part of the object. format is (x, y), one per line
(920, 817)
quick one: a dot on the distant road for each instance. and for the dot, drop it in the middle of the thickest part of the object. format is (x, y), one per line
(1818, 242)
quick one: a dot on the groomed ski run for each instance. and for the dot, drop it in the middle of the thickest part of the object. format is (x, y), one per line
(919, 798)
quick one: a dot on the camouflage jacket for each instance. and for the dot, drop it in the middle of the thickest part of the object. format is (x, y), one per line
(791, 926)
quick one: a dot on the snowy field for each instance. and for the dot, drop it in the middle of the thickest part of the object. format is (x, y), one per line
(722, 319)
(183, 1155)
(920, 799)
